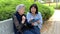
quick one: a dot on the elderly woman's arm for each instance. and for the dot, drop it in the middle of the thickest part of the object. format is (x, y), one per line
(16, 23)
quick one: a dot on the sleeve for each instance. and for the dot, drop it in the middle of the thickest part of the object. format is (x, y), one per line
(41, 21)
(15, 21)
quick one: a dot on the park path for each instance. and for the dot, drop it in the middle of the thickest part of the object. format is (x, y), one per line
(55, 28)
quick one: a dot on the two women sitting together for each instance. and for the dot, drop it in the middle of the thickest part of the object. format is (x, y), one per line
(31, 23)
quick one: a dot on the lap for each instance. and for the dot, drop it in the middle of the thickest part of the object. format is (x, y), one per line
(28, 32)
(36, 30)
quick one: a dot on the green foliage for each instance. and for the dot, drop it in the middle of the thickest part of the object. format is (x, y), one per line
(58, 7)
(53, 5)
(7, 8)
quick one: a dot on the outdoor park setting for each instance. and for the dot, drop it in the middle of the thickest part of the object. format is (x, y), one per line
(50, 10)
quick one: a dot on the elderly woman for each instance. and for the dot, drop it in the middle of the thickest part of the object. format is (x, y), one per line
(19, 21)
(35, 19)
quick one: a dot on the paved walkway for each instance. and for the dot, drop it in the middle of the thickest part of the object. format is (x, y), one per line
(55, 28)
(56, 19)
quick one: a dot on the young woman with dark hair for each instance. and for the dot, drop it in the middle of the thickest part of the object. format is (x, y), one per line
(36, 18)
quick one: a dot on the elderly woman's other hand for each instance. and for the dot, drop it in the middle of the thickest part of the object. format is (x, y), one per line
(32, 24)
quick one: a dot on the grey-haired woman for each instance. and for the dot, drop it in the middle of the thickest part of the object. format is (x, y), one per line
(21, 26)
(19, 19)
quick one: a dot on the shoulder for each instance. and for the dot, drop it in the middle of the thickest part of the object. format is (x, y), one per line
(14, 16)
(39, 13)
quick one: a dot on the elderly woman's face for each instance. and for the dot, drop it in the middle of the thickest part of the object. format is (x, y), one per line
(21, 10)
(33, 10)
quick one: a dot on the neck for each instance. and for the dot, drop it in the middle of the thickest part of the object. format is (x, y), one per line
(33, 14)
(20, 14)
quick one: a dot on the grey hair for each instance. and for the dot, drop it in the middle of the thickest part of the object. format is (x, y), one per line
(19, 6)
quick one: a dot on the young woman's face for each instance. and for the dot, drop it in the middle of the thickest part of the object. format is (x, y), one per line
(33, 10)
(21, 10)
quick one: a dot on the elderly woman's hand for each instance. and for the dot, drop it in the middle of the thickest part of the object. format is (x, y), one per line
(23, 19)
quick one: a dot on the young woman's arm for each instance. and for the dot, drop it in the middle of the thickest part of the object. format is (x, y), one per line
(40, 20)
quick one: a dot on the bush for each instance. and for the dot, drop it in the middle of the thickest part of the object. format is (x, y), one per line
(53, 5)
(46, 11)
(58, 7)
(7, 8)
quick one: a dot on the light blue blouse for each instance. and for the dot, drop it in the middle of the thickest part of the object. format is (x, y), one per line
(37, 16)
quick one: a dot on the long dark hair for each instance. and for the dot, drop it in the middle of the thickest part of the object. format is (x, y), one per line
(35, 6)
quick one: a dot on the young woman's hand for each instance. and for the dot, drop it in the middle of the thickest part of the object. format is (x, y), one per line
(35, 24)
(23, 19)
(31, 19)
